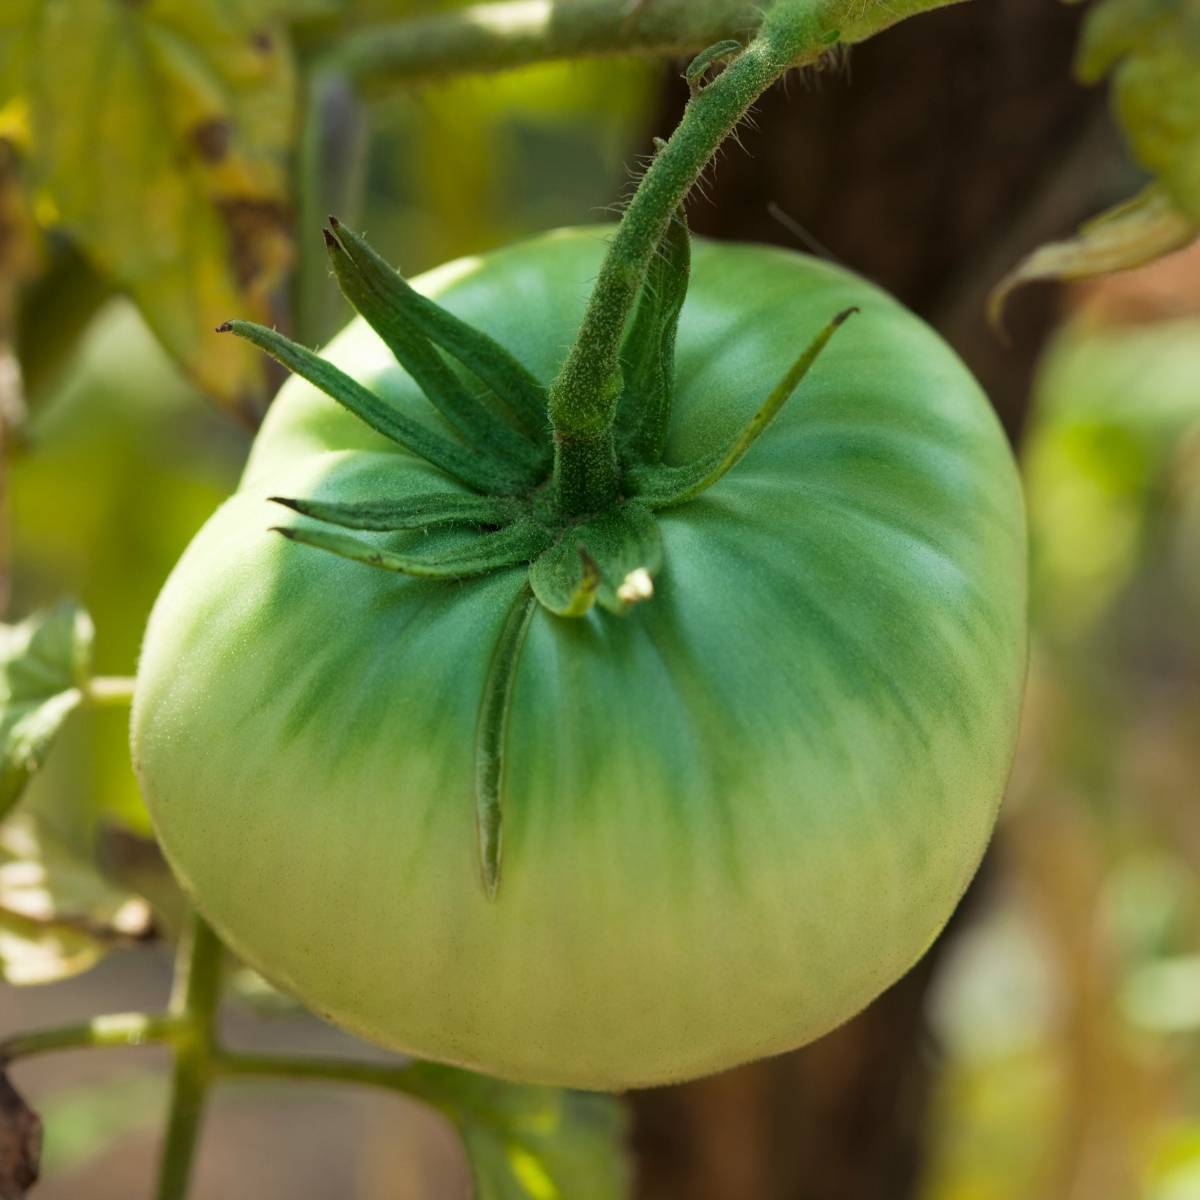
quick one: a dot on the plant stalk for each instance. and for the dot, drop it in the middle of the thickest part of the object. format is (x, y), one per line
(331, 1070)
(115, 1029)
(194, 999)
(583, 399)
(514, 33)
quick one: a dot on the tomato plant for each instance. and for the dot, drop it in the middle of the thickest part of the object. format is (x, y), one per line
(608, 667)
(729, 817)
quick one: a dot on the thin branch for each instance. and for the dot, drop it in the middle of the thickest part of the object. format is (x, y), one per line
(113, 1029)
(583, 398)
(515, 33)
(493, 37)
(132, 926)
(400, 1078)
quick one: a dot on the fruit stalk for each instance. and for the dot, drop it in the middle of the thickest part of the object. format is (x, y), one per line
(583, 399)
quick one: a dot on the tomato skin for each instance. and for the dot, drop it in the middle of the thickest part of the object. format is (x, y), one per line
(732, 817)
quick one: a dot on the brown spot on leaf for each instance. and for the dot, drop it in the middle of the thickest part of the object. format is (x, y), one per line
(261, 251)
(263, 42)
(20, 1143)
(259, 240)
(211, 138)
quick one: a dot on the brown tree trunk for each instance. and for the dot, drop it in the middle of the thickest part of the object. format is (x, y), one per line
(929, 161)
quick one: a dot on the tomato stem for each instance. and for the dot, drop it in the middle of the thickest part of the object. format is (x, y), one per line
(504, 34)
(584, 397)
(648, 350)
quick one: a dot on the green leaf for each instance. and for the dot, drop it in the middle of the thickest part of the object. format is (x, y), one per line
(526, 1142)
(157, 135)
(58, 915)
(43, 668)
(1135, 232)
(1151, 50)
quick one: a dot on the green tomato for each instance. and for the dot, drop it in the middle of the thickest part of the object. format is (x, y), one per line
(732, 817)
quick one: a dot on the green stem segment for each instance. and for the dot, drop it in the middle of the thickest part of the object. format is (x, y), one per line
(583, 399)
(194, 1000)
(513, 33)
(148, 1029)
(114, 1029)
(330, 1070)
(491, 37)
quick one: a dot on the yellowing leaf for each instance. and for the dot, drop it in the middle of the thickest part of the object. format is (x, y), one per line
(159, 135)
(1152, 49)
(58, 915)
(43, 666)
(1133, 233)
(20, 259)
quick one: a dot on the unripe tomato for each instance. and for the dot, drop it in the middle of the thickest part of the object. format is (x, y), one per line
(732, 816)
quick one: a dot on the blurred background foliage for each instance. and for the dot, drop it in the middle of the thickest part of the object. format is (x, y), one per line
(115, 462)
(1070, 1009)
(1064, 1019)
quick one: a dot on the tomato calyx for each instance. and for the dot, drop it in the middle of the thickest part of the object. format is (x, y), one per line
(660, 486)
(609, 559)
(583, 526)
(607, 555)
